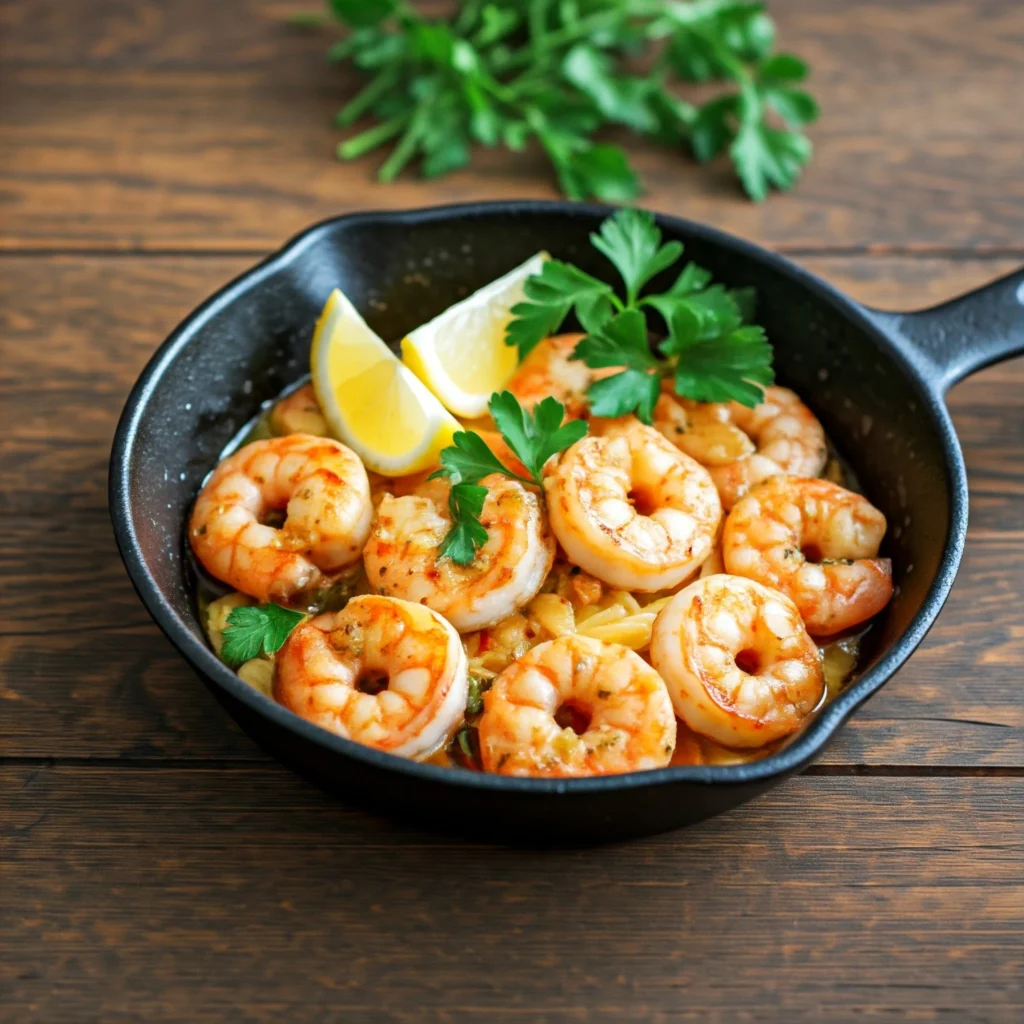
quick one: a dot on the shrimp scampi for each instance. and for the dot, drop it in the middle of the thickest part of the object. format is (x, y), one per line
(737, 660)
(577, 706)
(383, 672)
(631, 509)
(742, 446)
(319, 486)
(816, 542)
(434, 561)
(550, 370)
(402, 558)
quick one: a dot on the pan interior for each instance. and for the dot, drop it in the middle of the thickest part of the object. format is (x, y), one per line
(401, 270)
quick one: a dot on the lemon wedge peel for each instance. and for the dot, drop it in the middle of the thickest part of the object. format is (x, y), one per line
(371, 401)
(461, 354)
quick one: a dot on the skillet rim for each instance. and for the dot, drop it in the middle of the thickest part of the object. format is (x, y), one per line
(808, 745)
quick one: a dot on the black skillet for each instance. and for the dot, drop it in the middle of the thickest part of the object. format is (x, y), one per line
(876, 380)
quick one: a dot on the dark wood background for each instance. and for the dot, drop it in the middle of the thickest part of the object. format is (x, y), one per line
(156, 866)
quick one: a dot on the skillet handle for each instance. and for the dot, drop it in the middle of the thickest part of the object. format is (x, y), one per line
(965, 334)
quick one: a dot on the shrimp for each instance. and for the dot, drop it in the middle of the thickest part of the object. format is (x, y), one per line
(631, 509)
(385, 673)
(501, 450)
(550, 370)
(299, 413)
(816, 542)
(402, 560)
(320, 485)
(742, 446)
(577, 706)
(739, 664)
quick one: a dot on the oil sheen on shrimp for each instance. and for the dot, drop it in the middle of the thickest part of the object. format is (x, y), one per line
(742, 446)
(385, 673)
(816, 542)
(509, 569)
(737, 660)
(549, 369)
(298, 413)
(577, 706)
(321, 486)
(631, 509)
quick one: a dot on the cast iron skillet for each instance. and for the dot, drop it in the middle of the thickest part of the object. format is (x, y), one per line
(876, 380)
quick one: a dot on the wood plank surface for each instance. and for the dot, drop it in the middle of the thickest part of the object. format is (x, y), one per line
(208, 126)
(156, 866)
(106, 684)
(886, 899)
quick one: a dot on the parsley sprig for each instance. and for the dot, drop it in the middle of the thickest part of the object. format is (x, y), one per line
(255, 629)
(532, 437)
(553, 72)
(711, 352)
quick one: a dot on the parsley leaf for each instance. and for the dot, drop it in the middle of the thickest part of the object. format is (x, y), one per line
(709, 353)
(468, 459)
(632, 241)
(767, 156)
(632, 391)
(550, 297)
(533, 437)
(735, 366)
(467, 533)
(621, 342)
(552, 74)
(255, 629)
(622, 99)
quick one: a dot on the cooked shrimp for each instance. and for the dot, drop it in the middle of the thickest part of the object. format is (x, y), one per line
(713, 564)
(816, 542)
(502, 452)
(402, 560)
(631, 509)
(299, 413)
(550, 370)
(385, 673)
(576, 706)
(320, 485)
(742, 446)
(737, 660)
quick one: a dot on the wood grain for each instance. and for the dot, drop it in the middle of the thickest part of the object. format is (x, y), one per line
(156, 866)
(200, 126)
(250, 897)
(105, 684)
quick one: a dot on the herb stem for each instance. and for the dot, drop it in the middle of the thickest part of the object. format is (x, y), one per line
(582, 29)
(405, 149)
(366, 97)
(362, 143)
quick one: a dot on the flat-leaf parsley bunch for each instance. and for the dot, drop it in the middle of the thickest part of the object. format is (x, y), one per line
(710, 351)
(553, 72)
(532, 437)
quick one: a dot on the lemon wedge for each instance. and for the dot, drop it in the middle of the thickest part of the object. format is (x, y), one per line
(371, 402)
(461, 354)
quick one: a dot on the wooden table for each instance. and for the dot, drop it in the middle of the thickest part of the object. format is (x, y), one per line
(157, 866)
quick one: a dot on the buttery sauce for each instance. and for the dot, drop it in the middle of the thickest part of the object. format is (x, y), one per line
(841, 655)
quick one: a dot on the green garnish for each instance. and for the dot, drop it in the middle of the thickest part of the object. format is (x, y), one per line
(474, 698)
(710, 352)
(467, 533)
(554, 72)
(256, 629)
(534, 438)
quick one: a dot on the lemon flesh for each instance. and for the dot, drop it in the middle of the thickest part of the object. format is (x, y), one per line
(461, 354)
(371, 402)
